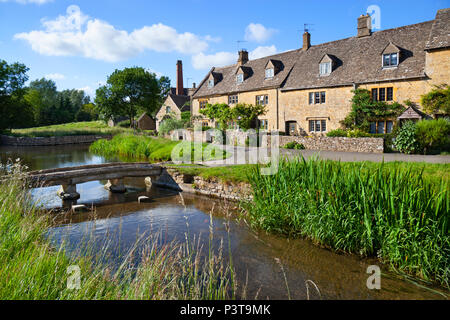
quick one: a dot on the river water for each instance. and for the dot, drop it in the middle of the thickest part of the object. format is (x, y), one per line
(120, 220)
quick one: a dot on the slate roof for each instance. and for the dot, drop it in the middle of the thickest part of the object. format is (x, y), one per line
(180, 101)
(440, 32)
(355, 60)
(174, 91)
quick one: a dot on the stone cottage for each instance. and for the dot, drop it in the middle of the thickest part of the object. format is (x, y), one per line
(308, 90)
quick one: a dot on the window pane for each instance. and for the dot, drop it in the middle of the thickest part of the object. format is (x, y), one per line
(317, 126)
(311, 125)
(380, 127)
(390, 94)
(386, 61)
(374, 94)
(322, 97)
(382, 94)
(373, 127)
(394, 60)
(389, 126)
(311, 98)
(317, 97)
(324, 125)
(267, 100)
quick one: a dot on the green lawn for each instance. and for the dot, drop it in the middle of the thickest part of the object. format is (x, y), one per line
(70, 129)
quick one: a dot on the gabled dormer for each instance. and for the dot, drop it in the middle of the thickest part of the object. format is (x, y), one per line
(213, 79)
(390, 56)
(326, 65)
(272, 68)
(243, 73)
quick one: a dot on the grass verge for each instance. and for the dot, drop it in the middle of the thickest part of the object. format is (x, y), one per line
(70, 129)
(133, 147)
(387, 210)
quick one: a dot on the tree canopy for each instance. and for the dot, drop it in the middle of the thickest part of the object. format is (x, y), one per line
(130, 91)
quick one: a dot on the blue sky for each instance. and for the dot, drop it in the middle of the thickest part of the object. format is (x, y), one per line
(79, 43)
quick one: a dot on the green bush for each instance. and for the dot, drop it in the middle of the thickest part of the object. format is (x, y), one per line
(433, 135)
(171, 124)
(337, 133)
(294, 145)
(406, 141)
(358, 134)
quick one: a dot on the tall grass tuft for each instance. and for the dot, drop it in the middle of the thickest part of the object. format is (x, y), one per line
(394, 214)
(31, 268)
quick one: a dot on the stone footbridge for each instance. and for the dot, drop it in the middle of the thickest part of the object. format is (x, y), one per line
(69, 177)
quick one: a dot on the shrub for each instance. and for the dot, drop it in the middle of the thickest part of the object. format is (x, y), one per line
(358, 134)
(294, 145)
(406, 141)
(433, 135)
(337, 133)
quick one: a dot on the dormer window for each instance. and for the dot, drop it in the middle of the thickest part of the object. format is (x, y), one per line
(210, 83)
(325, 68)
(270, 73)
(239, 78)
(390, 60)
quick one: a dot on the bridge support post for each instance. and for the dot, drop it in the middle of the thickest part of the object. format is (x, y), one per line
(115, 186)
(148, 183)
(68, 192)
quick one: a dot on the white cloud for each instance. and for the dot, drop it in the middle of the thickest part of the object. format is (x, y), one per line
(262, 52)
(258, 33)
(88, 91)
(55, 76)
(28, 1)
(202, 61)
(76, 34)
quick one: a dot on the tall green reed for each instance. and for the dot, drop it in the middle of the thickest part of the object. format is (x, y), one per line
(393, 213)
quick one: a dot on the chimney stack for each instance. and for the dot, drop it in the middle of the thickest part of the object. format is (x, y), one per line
(243, 57)
(180, 86)
(364, 26)
(306, 41)
(194, 85)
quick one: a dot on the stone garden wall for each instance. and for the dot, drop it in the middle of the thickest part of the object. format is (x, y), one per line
(48, 141)
(213, 187)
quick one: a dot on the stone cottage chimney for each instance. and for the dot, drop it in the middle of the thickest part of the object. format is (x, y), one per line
(180, 86)
(243, 57)
(306, 41)
(364, 26)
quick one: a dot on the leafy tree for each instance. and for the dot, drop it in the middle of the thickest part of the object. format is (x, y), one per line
(245, 114)
(14, 110)
(87, 112)
(128, 92)
(219, 112)
(364, 110)
(164, 85)
(437, 100)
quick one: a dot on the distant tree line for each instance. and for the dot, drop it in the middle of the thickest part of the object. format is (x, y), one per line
(40, 103)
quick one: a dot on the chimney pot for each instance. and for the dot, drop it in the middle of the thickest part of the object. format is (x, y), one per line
(306, 40)
(364, 25)
(180, 86)
(194, 85)
(243, 57)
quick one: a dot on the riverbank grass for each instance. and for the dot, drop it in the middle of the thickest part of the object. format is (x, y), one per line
(390, 211)
(70, 129)
(132, 147)
(32, 269)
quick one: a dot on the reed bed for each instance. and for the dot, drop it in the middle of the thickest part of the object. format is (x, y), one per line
(393, 214)
(31, 268)
(148, 148)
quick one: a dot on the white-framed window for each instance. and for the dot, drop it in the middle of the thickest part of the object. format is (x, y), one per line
(233, 99)
(168, 110)
(210, 83)
(317, 97)
(390, 60)
(262, 100)
(317, 125)
(270, 73)
(240, 78)
(325, 68)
